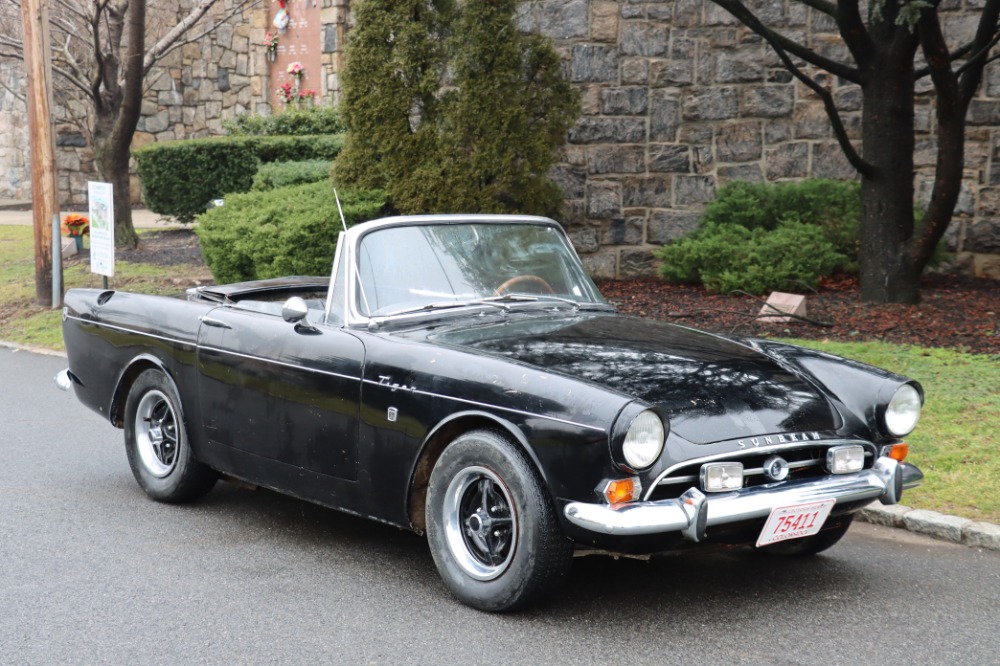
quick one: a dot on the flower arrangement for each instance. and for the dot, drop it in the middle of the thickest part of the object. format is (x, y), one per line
(289, 94)
(296, 70)
(76, 224)
(271, 44)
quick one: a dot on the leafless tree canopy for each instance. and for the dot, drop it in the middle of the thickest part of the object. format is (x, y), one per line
(88, 42)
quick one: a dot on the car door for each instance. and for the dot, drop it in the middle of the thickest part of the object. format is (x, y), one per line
(280, 394)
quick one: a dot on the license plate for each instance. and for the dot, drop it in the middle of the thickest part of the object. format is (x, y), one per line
(794, 522)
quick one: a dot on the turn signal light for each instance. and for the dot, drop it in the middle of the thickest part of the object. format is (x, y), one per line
(622, 490)
(899, 451)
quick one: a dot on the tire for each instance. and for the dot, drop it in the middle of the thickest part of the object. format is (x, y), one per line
(817, 543)
(491, 527)
(157, 445)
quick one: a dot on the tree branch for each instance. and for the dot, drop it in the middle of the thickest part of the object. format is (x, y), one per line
(173, 38)
(986, 38)
(823, 6)
(950, 112)
(782, 43)
(961, 51)
(852, 29)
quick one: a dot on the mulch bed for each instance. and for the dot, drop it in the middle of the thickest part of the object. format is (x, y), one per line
(955, 311)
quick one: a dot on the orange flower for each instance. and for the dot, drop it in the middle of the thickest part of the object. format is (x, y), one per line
(76, 224)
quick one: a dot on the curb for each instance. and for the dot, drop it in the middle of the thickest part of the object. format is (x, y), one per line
(43, 351)
(972, 533)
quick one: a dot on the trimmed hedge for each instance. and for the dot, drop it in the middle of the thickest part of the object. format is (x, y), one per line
(295, 148)
(285, 231)
(180, 178)
(283, 174)
(293, 121)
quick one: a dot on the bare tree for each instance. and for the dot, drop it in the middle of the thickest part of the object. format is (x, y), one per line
(100, 62)
(885, 40)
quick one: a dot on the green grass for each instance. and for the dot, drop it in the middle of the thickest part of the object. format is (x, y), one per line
(25, 322)
(957, 442)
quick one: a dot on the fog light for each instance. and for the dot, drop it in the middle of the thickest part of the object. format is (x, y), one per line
(720, 477)
(622, 490)
(845, 459)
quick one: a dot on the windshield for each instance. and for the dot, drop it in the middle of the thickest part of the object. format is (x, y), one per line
(404, 269)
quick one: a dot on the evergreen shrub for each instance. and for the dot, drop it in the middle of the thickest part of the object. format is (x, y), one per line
(307, 120)
(284, 231)
(450, 107)
(761, 237)
(282, 174)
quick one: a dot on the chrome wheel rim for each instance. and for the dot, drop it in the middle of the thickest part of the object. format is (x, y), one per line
(480, 523)
(156, 434)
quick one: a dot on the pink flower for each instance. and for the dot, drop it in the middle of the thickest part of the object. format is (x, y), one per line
(296, 68)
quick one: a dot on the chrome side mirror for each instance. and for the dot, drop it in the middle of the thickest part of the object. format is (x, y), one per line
(294, 311)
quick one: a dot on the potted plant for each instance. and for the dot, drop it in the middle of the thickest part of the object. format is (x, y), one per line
(76, 226)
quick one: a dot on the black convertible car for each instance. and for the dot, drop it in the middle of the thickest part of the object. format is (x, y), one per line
(462, 376)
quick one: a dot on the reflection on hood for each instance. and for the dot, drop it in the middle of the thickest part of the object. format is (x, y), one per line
(712, 388)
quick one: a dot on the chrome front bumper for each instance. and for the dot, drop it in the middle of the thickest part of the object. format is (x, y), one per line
(693, 512)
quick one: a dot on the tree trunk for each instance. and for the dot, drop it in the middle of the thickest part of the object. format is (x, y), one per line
(888, 274)
(113, 168)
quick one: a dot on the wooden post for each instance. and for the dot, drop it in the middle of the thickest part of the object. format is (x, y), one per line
(44, 189)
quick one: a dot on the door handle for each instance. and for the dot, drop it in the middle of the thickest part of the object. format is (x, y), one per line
(208, 321)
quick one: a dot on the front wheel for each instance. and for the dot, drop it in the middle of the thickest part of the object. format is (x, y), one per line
(491, 527)
(156, 442)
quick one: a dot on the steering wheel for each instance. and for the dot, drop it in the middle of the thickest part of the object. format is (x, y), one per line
(518, 279)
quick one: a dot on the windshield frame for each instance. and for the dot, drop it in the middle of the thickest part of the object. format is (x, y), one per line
(349, 246)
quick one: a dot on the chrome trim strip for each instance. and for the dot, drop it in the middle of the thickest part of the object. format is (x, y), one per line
(132, 330)
(881, 482)
(474, 403)
(736, 455)
(342, 376)
(283, 364)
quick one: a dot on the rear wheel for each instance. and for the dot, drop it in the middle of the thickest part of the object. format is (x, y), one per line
(156, 442)
(814, 544)
(491, 527)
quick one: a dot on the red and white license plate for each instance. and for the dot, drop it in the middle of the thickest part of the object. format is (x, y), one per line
(794, 522)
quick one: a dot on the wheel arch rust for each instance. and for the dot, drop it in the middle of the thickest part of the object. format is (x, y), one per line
(135, 367)
(439, 438)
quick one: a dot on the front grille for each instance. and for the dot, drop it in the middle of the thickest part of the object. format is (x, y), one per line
(803, 462)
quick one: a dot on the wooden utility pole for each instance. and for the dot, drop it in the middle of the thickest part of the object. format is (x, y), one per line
(44, 190)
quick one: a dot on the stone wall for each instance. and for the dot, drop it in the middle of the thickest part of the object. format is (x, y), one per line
(679, 98)
(15, 170)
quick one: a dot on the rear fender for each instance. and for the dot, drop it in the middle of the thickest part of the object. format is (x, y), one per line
(135, 367)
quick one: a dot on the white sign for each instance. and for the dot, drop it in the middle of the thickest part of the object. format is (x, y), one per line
(102, 228)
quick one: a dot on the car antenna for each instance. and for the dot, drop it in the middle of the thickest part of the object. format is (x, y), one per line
(364, 297)
(339, 209)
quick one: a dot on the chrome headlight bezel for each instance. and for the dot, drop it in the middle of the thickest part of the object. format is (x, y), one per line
(644, 440)
(902, 413)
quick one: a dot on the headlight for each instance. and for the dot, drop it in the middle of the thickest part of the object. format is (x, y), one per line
(903, 412)
(644, 440)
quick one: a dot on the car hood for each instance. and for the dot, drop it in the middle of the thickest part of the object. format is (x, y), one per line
(712, 388)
